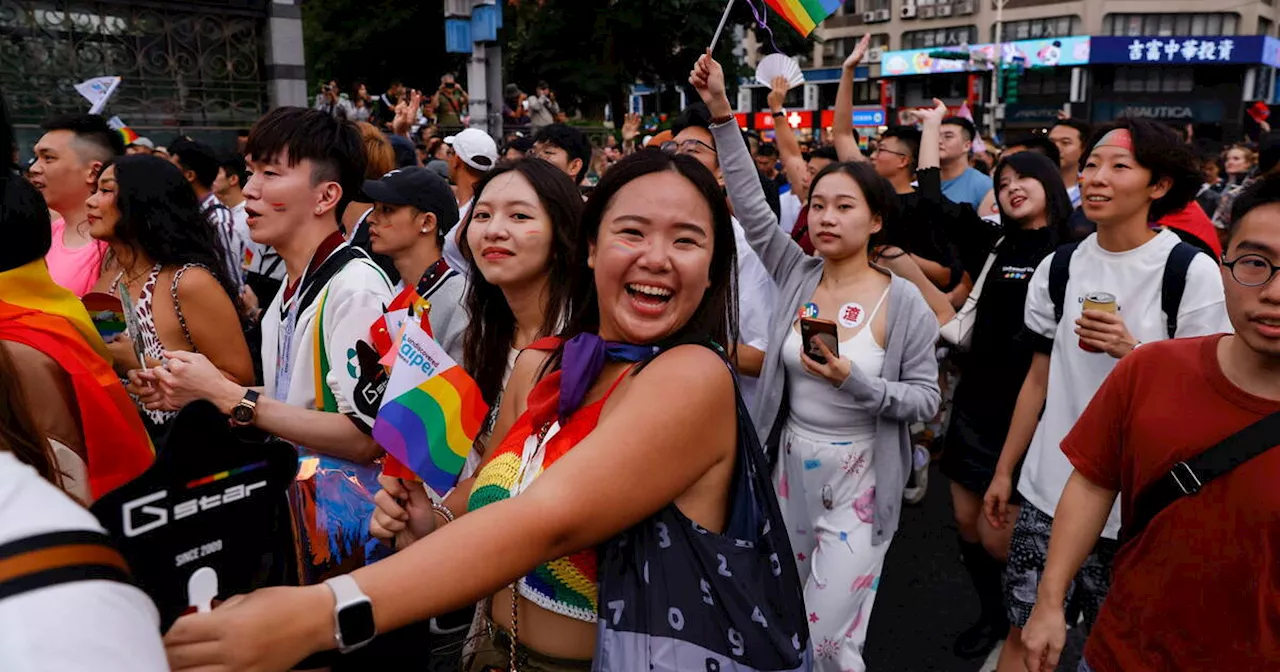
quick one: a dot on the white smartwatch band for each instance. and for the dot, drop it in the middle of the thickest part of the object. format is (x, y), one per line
(352, 614)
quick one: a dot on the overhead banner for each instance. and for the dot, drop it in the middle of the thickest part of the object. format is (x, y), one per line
(1042, 53)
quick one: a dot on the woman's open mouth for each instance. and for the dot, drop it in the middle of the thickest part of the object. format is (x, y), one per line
(649, 298)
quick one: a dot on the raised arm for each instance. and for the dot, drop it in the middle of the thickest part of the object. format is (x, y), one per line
(842, 131)
(779, 254)
(788, 147)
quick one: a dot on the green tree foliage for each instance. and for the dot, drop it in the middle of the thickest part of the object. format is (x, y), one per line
(376, 41)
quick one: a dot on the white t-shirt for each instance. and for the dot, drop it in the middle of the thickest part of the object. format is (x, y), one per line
(103, 626)
(353, 300)
(790, 211)
(262, 259)
(1135, 278)
(451, 251)
(756, 297)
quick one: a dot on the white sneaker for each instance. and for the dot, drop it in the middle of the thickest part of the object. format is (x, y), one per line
(914, 493)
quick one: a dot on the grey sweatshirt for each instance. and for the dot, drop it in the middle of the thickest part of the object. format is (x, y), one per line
(906, 392)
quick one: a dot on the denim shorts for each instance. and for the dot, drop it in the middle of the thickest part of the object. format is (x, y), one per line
(1028, 550)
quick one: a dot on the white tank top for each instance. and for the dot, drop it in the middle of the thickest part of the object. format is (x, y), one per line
(817, 406)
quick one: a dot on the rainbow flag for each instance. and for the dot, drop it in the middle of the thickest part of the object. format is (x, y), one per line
(431, 412)
(805, 15)
(36, 312)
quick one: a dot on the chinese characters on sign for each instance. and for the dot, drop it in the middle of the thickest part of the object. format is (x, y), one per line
(1181, 51)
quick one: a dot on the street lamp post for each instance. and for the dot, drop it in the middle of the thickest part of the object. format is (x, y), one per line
(996, 68)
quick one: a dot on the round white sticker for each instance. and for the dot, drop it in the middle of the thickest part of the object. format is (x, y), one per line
(852, 315)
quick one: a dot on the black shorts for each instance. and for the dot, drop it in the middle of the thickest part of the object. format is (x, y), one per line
(1028, 550)
(970, 458)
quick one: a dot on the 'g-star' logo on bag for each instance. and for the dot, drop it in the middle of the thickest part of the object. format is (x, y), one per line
(151, 512)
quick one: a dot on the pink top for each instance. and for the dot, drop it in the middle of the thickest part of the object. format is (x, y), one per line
(75, 269)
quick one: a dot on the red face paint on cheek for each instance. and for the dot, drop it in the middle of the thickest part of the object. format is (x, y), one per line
(278, 207)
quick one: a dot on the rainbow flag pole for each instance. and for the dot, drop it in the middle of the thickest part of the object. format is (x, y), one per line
(804, 15)
(724, 18)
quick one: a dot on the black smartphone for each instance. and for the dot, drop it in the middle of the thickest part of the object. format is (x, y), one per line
(824, 329)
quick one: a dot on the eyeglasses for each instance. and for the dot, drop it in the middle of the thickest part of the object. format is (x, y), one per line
(1252, 270)
(882, 150)
(686, 147)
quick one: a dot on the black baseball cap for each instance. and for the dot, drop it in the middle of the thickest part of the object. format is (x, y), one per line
(419, 187)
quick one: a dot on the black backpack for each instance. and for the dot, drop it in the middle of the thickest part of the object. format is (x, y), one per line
(1171, 288)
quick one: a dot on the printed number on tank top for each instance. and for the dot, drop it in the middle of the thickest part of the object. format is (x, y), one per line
(664, 536)
(758, 617)
(724, 565)
(616, 607)
(706, 592)
(676, 619)
(739, 644)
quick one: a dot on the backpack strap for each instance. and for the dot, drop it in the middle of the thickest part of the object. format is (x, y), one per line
(55, 558)
(336, 262)
(1059, 273)
(1175, 282)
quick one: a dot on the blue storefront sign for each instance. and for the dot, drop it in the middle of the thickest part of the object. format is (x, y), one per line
(868, 117)
(1230, 50)
(1043, 53)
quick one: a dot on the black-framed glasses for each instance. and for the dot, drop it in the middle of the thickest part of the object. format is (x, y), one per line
(1251, 270)
(687, 147)
(879, 150)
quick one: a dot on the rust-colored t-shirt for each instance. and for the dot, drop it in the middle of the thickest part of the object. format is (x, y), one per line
(1199, 589)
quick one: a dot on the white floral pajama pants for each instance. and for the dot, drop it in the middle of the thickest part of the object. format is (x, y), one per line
(826, 488)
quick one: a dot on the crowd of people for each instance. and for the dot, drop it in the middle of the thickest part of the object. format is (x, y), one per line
(718, 368)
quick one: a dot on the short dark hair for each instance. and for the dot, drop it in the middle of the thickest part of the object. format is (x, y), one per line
(197, 157)
(1044, 169)
(828, 153)
(697, 115)
(521, 144)
(542, 84)
(333, 146)
(92, 131)
(1040, 145)
(572, 141)
(1081, 127)
(970, 132)
(234, 166)
(1263, 191)
(767, 149)
(24, 219)
(1157, 148)
(909, 136)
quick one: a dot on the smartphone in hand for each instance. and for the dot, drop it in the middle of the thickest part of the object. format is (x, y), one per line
(823, 329)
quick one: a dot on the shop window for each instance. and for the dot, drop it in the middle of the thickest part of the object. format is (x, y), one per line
(1153, 80)
(1032, 29)
(939, 37)
(1166, 25)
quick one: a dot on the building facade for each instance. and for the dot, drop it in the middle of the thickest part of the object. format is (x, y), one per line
(1212, 64)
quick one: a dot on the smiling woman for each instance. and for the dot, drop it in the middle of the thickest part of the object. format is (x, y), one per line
(574, 476)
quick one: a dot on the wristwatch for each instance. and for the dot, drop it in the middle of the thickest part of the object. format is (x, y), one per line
(246, 410)
(779, 114)
(353, 625)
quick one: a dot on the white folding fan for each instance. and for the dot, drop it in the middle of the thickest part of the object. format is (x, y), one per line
(779, 65)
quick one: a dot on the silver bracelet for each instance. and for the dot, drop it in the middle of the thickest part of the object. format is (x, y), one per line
(444, 512)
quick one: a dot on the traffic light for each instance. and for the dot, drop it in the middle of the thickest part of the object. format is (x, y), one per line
(1011, 75)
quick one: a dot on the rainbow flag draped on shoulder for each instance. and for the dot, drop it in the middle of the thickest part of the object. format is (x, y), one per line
(805, 15)
(38, 313)
(431, 411)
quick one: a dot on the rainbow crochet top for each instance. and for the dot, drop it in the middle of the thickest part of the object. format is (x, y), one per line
(566, 586)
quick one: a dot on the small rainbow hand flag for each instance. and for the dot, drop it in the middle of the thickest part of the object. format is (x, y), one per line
(431, 412)
(805, 15)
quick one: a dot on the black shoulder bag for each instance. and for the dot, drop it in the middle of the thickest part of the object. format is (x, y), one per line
(1189, 477)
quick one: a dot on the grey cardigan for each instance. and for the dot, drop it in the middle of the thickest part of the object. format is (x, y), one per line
(906, 392)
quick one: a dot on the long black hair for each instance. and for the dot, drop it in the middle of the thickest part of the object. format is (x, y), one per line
(1043, 170)
(716, 318)
(159, 214)
(491, 331)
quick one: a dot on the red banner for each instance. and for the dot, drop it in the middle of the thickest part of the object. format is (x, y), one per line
(797, 119)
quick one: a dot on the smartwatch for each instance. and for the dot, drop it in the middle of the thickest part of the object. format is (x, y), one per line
(780, 114)
(246, 410)
(353, 625)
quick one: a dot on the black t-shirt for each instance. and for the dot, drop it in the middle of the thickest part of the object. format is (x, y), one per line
(998, 359)
(925, 222)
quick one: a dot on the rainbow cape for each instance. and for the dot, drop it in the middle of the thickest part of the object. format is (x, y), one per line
(431, 411)
(805, 15)
(38, 313)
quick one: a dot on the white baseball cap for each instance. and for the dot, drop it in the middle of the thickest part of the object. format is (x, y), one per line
(475, 148)
(143, 142)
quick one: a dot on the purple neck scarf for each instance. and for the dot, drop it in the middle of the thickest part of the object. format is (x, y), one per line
(584, 357)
